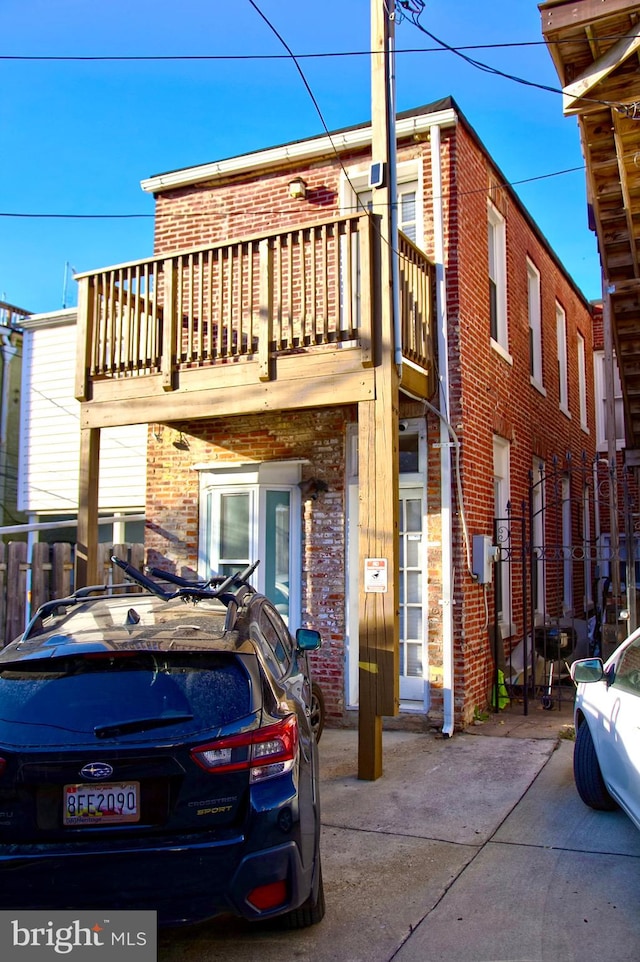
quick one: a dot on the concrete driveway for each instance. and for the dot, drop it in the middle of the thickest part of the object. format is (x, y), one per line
(468, 849)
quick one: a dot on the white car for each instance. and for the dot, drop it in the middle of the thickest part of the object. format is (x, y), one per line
(606, 757)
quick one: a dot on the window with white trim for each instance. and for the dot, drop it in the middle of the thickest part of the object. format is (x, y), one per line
(535, 324)
(409, 179)
(567, 541)
(601, 402)
(582, 382)
(497, 269)
(502, 497)
(252, 513)
(538, 509)
(563, 371)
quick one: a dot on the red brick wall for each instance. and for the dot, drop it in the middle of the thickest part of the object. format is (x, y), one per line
(173, 518)
(488, 396)
(491, 396)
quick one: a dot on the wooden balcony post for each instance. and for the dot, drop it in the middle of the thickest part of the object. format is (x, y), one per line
(365, 238)
(265, 335)
(84, 336)
(87, 544)
(169, 326)
(379, 633)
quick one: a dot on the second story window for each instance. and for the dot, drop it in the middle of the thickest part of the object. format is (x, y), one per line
(563, 375)
(601, 402)
(497, 277)
(535, 324)
(582, 383)
(407, 210)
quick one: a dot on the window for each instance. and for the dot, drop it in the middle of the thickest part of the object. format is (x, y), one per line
(502, 497)
(497, 278)
(355, 196)
(278, 650)
(627, 674)
(407, 210)
(582, 382)
(561, 337)
(567, 541)
(601, 403)
(535, 324)
(586, 544)
(538, 537)
(252, 513)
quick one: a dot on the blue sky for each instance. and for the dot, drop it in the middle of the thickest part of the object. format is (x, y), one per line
(77, 137)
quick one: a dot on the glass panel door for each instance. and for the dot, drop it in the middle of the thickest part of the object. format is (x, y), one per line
(412, 628)
(277, 540)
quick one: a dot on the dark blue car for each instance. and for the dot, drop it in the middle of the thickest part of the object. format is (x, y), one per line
(156, 752)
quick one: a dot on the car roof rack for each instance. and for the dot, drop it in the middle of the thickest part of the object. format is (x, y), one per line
(231, 588)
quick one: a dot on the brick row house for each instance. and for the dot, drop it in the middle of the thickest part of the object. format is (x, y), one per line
(249, 344)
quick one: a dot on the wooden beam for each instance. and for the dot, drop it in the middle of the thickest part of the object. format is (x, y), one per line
(625, 287)
(378, 444)
(84, 337)
(265, 330)
(87, 543)
(629, 206)
(170, 325)
(560, 14)
(574, 92)
(240, 397)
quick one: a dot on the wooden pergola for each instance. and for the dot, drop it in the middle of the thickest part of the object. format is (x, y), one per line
(595, 46)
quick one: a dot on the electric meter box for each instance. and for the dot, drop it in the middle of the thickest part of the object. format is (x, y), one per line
(483, 558)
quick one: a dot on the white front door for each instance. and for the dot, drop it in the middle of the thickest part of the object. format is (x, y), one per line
(414, 671)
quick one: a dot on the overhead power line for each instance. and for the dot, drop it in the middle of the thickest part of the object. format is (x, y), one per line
(412, 10)
(238, 211)
(317, 55)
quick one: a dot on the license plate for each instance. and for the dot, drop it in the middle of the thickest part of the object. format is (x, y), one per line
(109, 804)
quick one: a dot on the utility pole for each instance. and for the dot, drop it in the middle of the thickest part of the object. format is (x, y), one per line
(378, 428)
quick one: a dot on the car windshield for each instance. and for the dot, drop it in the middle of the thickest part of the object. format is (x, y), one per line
(68, 700)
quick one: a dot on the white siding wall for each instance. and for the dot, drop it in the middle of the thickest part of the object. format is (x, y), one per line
(50, 430)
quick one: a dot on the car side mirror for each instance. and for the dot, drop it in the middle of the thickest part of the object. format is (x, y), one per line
(307, 639)
(587, 670)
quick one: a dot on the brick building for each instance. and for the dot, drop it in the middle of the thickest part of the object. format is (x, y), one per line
(499, 388)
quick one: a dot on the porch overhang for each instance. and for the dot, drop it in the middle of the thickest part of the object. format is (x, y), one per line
(595, 47)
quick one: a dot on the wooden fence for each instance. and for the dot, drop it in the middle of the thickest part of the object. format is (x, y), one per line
(26, 583)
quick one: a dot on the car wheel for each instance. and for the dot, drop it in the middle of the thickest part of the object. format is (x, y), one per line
(586, 772)
(316, 712)
(309, 913)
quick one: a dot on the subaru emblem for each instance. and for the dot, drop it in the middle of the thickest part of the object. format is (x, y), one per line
(96, 770)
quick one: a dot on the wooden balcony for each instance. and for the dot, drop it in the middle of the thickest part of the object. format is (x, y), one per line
(280, 321)
(11, 316)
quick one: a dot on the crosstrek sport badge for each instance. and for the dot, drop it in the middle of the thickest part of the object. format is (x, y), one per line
(99, 770)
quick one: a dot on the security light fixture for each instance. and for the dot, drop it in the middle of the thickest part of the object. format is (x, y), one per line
(297, 189)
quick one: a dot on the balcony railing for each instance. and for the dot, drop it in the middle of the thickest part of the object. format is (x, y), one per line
(298, 290)
(11, 316)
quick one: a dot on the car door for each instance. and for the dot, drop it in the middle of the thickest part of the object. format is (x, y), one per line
(618, 744)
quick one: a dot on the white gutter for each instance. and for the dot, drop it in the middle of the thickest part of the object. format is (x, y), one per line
(445, 439)
(301, 150)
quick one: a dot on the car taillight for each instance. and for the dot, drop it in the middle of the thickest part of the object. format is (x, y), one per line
(265, 752)
(3, 765)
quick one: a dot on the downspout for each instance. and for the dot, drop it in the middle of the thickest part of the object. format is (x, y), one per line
(445, 439)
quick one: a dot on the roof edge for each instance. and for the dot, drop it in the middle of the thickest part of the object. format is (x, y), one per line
(411, 122)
